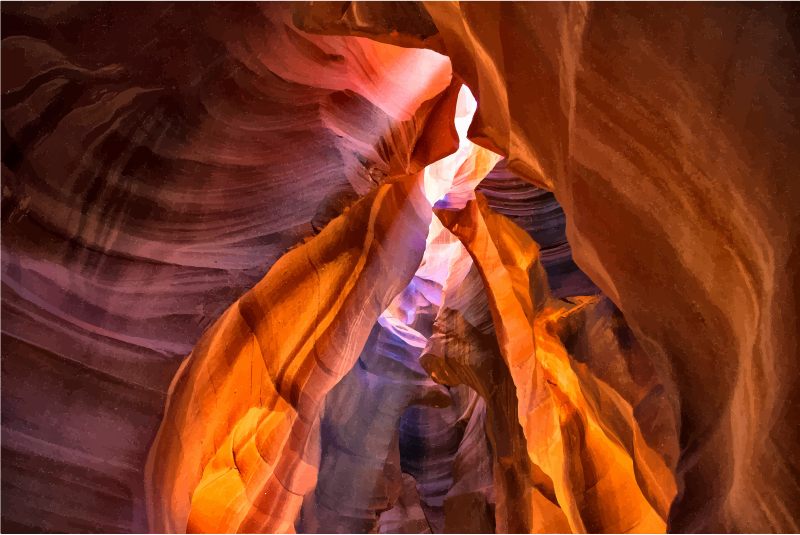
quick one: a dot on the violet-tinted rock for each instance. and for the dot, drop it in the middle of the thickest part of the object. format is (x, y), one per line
(151, 176)
(537, 211)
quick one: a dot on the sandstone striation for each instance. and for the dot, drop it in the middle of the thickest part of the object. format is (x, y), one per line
(150, 178)
(665, 134)
(244, 239)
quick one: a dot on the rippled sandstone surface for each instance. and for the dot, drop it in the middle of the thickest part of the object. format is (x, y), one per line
(158, 162)
(665, 132)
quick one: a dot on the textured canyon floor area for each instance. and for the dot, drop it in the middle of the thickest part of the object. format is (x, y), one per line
(400, 267)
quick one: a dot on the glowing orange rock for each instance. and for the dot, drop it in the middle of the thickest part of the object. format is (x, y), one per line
(665, 133)
(459, 353)
(594, 464)
(239, 447)
(611, 362)
(669, 151)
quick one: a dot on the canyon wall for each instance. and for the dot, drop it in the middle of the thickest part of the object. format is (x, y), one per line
(666, 133)
(158, 161)
(154, 169)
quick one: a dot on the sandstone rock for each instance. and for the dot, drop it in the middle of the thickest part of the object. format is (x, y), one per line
(242, 423)
(158, 162)
(665, 133)
(150, 179)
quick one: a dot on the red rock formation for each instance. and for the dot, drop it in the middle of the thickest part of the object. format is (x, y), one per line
(665, 134)
(150, 178)
(593, 455)
(239, 446)
(538, 213)
(463, 350)
(158, 161)
(249, 459)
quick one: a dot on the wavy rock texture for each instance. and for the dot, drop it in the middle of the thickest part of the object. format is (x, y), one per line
(666, 135)
(387, 409)
(360, 467)
(464, 350)
(537, 212)
(387, 417)
(429, 442)
(239, 447)
(159, 160)
(153, 172)
(254, 441)
(584, 446)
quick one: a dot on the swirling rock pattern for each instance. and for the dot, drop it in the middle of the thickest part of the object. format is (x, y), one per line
(239, 447)
(464, 350)
(665, 135)
(537, 211)
(360, 435)
(153, 171)
(158, 161)
(242, 424)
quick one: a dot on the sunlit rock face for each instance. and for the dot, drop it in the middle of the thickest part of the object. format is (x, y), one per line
(281, 235)
(537, 211)
(287, 438)
(154, 169)
(664, 134)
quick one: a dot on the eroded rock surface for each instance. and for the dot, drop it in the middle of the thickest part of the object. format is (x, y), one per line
(154, 169)
(665, 134)
(159, 161)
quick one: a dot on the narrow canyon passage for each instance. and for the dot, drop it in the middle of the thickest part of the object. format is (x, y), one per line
(296, 421)
(400, 267)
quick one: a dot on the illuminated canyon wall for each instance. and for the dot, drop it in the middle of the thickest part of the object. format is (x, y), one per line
(264, 271)
(688, 140)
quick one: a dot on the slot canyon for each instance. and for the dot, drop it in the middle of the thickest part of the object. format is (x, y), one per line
(400, 267)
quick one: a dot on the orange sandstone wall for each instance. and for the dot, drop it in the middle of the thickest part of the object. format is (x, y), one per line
(666, 132)
(157, 162)
(154, 169)
(239, 445)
